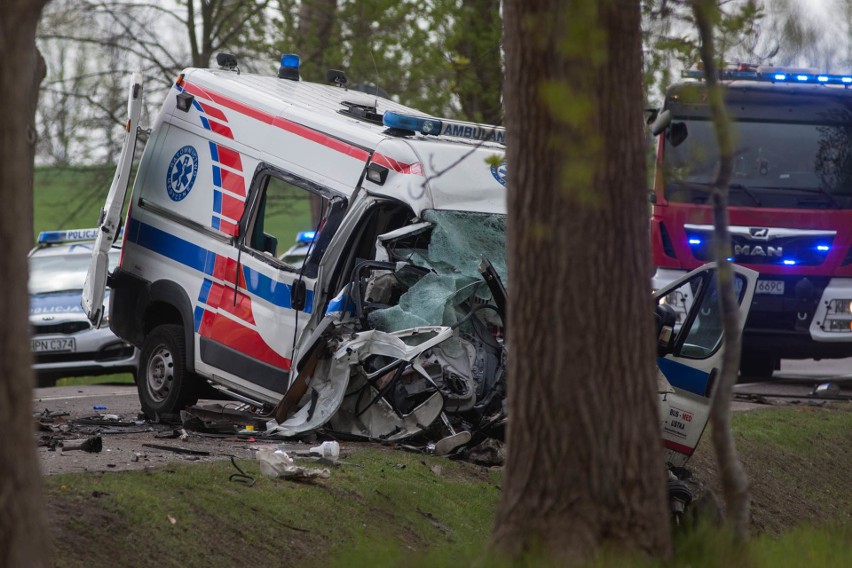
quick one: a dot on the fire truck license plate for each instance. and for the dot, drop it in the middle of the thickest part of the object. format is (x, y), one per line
(56, 344)
(770, 287)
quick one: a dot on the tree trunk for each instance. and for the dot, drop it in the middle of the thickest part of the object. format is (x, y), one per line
(734, 478)
(585, 465)
(316, 25)
(479, 71)
(22, 523)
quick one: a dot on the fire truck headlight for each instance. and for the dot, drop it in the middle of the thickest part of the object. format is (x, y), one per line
(838, 307)
(838, 317)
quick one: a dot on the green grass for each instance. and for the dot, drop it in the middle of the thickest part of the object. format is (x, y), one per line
(69, 198)
(386, 497)
(117, 379)
(390, 508)
(786, 427)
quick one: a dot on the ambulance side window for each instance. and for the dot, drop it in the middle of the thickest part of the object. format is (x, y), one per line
(281, 220)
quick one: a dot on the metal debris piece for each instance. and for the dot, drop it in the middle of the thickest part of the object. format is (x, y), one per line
(176, 449)
(92, 445)
(826, 389)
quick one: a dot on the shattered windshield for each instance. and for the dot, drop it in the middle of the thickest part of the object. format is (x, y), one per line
(451, 252)
(776, 164)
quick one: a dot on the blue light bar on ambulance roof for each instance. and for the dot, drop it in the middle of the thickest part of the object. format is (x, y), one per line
(305, 237)
(773, 77)
(444, 127)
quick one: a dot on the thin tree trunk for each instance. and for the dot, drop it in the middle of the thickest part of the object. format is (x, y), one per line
(480, 76)
(316, 25)
(734, 479)
(22, 523)
(585, 465)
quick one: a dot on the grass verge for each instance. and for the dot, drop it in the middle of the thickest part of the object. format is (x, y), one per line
(393, 508)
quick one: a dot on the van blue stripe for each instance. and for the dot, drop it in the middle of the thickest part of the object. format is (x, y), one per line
(205, 123)
(199, 313)
(683, 377)
(217, 201)
(197, 106)
(205, 290)
(217, 176)
(271, 290)
(214, 151)
(170, 246)
(203, 260)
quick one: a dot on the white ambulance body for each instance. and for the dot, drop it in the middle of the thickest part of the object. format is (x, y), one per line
(196, 258)
(393, 322)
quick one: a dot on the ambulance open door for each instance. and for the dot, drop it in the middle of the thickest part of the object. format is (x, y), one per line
(690, 357)
(110, 221)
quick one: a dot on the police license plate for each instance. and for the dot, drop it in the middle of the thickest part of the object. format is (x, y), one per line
(775, 287)
(57, 344)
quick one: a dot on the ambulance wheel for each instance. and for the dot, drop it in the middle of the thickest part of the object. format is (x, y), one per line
(165, 387)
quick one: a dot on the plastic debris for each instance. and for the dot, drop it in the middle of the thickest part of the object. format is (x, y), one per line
(277, 463)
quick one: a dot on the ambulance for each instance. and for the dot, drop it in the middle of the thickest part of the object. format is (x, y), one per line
(390, 323)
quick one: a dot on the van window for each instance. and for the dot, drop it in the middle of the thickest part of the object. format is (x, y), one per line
(283, 223)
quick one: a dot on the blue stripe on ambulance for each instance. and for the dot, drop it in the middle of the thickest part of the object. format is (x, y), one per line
(684, 377)
(203, 260)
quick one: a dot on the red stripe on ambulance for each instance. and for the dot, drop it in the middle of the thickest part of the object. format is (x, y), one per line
(283, 123)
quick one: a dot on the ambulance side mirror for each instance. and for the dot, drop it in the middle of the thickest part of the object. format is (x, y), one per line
(298, 295)
(270, 244)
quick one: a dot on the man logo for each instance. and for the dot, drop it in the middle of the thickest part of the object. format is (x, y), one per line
(182, 172)
(759, 233)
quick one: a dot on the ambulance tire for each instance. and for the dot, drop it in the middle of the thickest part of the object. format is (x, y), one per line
(165, 387)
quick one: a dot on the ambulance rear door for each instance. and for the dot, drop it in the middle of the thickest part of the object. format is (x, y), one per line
(110, 221)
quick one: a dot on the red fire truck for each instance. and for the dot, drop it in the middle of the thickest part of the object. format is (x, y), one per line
(790, 203)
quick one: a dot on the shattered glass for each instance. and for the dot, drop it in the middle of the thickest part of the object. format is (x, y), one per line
(457, 243)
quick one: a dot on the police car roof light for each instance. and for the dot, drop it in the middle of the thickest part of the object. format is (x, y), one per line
(73, 235)
(444, 127)
(305, 237)
(70, 236)
(773, 76)
(289, 67)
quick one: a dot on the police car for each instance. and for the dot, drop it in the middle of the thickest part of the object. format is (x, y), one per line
(296, 254)
(64, 343)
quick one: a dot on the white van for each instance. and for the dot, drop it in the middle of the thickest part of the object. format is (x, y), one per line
(391, 324)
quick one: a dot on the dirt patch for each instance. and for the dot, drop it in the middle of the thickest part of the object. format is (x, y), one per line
(786, 489)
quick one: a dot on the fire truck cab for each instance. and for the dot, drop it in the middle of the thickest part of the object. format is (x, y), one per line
(790, 204)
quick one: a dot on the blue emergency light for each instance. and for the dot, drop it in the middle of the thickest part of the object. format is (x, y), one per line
(442, 126)
(289, 67)
(306, 237)
(773, 76)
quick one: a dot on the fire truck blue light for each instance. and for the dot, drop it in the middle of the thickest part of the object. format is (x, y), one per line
(695, 241)
(789, 262)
